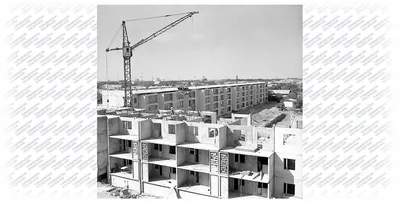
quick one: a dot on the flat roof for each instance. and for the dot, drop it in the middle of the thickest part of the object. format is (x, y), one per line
(174, 89)
(263, 153)
(198, 146)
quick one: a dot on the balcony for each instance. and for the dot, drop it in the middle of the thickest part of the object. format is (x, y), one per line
(195, 182)
(194, 159)
(239, 188)
(121, 167)
(162, 175)
(163, 155)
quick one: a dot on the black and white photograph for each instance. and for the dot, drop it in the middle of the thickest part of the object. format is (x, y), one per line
(217, 100)
(199, 101)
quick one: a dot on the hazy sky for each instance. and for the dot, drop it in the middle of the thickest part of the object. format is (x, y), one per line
(220, 42)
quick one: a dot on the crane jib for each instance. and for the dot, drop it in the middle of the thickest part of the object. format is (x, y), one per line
(127, 52)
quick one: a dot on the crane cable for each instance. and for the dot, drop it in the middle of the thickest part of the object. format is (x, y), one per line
(108, 83)
(115, 36)
(148, 18)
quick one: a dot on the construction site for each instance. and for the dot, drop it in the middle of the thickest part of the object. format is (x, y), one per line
(209, 141)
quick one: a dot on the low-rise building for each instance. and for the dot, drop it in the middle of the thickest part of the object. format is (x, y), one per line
(197, 159)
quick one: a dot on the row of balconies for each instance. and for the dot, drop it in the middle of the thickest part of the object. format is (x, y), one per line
(182, 157)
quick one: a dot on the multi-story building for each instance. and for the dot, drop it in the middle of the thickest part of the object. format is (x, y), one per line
(197, 159)
(222, 99)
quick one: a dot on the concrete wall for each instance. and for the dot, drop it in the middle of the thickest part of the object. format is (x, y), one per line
(102, 145)
(289, 148)
(114, 146)
(145, 172)
(145, 129)
(135, 166)
(182, 176)
(213, 115)
(135, 126)
(224, 187)
(180, 155)
(157, 190)
(113, 125)
(223, 140)
(115, 99)
(250, 163)
(214, 185)
(279, 187)
(271, 168)
(290, 174)
(265, 138)
(244, 118)
(293, 144)
(203, 133)
(204, 156)
(164, 153)
(164, 131)
(234, 133)
(180, 133)
(250, 187)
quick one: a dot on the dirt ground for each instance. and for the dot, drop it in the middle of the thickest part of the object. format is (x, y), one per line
(106, 191)
(258, 108)
(266, 114)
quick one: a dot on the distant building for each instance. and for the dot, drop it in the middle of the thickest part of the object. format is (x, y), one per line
(280, 92)
(290, 103)
(222, 99)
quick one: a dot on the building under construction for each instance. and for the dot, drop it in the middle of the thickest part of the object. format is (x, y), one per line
(169, 142)
(193, 155)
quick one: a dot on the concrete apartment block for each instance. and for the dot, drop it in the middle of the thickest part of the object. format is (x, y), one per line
(222, 99)
(203, 160)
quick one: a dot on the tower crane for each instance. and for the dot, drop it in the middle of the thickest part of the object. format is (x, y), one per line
(127, 52)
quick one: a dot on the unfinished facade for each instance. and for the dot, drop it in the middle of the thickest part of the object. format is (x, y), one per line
(194, 159)
(221, 99)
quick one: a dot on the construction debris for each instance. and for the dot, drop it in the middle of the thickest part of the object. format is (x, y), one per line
(268, 117)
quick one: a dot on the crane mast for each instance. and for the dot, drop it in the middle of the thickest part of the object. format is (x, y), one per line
(127, 53)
